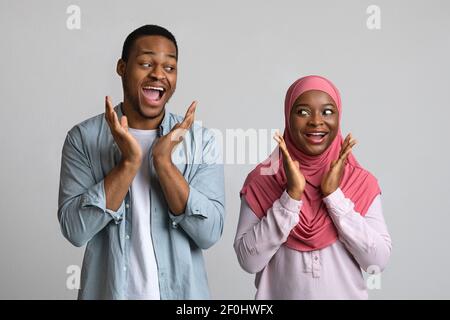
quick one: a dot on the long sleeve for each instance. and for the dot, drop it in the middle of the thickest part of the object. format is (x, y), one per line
(367, 237)
(203, 219)
(81, 204)
(257, 240)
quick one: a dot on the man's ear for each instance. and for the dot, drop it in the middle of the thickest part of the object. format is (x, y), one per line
(121, 65)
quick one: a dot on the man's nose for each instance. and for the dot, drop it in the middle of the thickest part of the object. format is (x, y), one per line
(157, 73)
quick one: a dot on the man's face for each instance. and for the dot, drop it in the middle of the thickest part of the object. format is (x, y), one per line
(149, 77)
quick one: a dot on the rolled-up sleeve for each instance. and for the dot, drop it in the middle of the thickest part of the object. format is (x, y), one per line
(82, 203)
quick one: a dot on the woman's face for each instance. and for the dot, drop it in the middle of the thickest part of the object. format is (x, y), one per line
(314, 122)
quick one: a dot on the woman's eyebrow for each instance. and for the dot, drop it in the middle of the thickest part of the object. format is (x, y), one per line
(301, 105)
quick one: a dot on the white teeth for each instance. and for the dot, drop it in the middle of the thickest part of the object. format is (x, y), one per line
(154, 88)
(316, 133)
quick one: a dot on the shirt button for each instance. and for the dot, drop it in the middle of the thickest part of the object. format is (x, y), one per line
(124, 268)
(127, 205)
(127, 237)
(316, 258)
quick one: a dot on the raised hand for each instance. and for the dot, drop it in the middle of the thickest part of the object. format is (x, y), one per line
(332, 179)
(162, 149)
(128, 145)
(295, 179)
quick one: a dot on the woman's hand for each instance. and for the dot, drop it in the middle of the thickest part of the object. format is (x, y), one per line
(332, 179)
(295, 179)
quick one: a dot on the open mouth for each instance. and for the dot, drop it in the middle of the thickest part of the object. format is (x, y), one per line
(315, 137)
(153, 94)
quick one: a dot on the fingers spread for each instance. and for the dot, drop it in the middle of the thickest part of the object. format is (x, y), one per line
(191, 108)
(345, 144)
(282, 144)
(108, 109)
(111, 115)
(277, 137)
(347, 150)
(189, 116)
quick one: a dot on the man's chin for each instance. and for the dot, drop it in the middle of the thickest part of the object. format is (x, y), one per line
(150, 111)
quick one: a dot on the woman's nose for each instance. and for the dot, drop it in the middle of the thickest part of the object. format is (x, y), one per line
(316, 120)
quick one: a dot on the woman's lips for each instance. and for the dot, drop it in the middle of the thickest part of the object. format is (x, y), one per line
(315, 138)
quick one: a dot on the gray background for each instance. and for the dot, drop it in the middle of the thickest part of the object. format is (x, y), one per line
(237, 58)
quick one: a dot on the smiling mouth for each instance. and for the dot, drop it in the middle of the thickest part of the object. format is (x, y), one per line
(153, 94)
(315, 137)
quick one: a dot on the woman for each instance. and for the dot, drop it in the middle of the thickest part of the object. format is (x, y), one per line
(308, 228)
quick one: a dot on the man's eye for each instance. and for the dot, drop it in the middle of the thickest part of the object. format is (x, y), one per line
(169, 68)
(146, 65)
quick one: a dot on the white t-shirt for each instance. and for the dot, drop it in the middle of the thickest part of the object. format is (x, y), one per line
(142, 270)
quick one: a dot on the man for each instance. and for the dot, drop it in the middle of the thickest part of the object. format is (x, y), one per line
(145, 204)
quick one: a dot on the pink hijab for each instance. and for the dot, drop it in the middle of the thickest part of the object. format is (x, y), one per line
(315, 229)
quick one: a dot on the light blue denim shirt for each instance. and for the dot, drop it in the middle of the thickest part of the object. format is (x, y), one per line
(88, 155)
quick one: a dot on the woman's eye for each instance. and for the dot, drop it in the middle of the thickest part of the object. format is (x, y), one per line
(302, 112)
(328, 112)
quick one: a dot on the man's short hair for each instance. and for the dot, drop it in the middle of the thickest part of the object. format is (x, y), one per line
(147, 30)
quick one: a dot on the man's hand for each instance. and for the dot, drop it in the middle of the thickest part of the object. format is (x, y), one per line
(129, 147)
(119, 179)
(295, 179)
(332, 179)
(162, 149)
